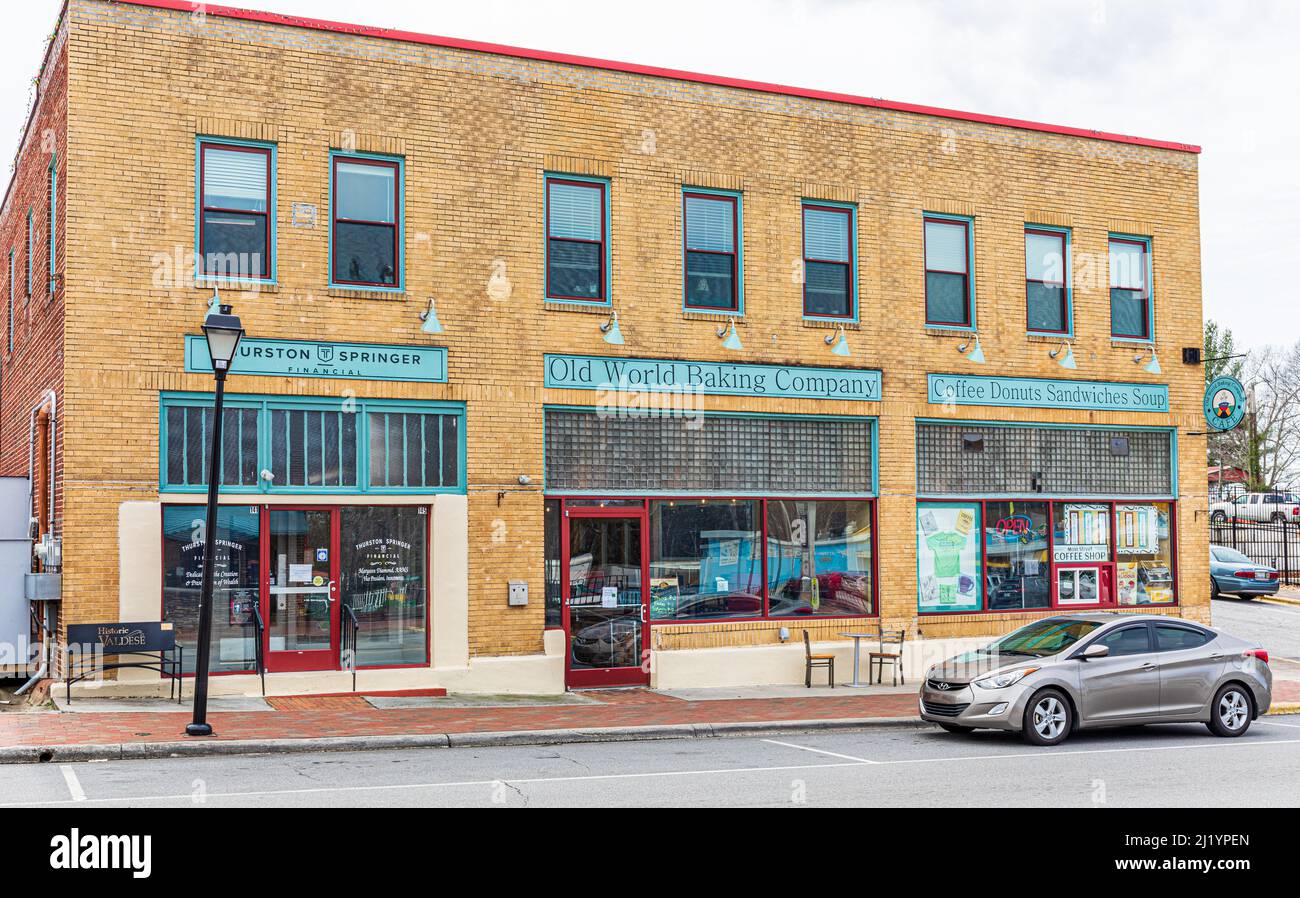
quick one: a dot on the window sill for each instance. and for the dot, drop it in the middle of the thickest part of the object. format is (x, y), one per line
(710, 315)
(391, 295)
(817, 323)
(576, 305)
(1049, 336)
(236, 286)
(949, 330)
(1127, 342)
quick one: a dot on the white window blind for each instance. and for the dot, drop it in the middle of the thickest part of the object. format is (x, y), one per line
(945, 246)
(1128, 269)
(574, 211)
(710, 224)
(1044, 259)
(826, 235)
(233, 179)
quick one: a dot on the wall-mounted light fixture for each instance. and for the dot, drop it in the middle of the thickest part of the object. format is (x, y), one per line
(611, 330)
(1151, 367)
(732, 340)
(972, 350)
(1064, 355)
(841, 346)
(431, 323)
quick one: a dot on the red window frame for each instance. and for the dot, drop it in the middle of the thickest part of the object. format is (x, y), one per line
(1143, 294)
(734, 307)
(204, 146)
(847, 266)
(603, 296)
(1065, 305)
(965, 275)
(336, 219)
(1052, 565)
(643, 507)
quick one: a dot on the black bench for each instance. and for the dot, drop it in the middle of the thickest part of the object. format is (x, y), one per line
(152, 642)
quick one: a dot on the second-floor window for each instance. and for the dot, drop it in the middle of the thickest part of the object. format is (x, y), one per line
(236, 221)
(712, 230)
(1047, 308)
(947, 272)
(828, 262)
(365, 232)
(576, 233)
(1130, 290)
(53, 200)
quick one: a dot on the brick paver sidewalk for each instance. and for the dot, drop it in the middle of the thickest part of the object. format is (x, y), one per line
(327, 716)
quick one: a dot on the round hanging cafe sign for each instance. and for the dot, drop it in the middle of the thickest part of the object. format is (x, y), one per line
(1225, 403)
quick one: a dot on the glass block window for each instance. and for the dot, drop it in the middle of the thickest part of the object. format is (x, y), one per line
(311, 445)
(590, 452)
(1054, 461)
(414, 449)
(189, 427)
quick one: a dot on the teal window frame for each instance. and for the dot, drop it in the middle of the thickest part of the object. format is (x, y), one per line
(739, 199)
(852, 209)
(200, 277)
(1150, 285)
(54, 201)
(400, 163)
(607, 255)
(268, 403)
(969, 222)
(1067, 277)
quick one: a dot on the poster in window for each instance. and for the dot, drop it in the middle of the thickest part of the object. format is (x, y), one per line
(948, 557)
(1137, 529)
(1126, 582)
(1083, 534)
(664, 593)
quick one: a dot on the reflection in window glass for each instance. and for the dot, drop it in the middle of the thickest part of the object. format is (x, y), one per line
(236, 582)
(551, 545)
(705, 559)
(1015, 550)
(382, 569)
(1144, 554)
(819, 558)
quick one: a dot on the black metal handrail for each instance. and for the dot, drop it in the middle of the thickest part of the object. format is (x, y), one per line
(349, 629)
(259, 653)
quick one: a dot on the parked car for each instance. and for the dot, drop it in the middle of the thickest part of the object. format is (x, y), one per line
(1234, 574)
(1274, 507)
(1064, 673)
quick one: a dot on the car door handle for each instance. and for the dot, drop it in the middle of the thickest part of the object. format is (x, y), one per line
(1147, 666)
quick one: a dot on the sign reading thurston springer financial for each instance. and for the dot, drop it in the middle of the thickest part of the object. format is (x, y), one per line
(313, 358)
(1033, 392)
(582, 372)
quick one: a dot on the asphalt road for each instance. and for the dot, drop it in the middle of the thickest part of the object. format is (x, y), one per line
(1276, 627)
(1158, 766)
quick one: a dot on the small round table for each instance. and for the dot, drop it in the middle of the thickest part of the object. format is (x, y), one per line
(857, 645)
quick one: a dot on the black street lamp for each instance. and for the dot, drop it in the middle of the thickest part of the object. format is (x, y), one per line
(224, 332)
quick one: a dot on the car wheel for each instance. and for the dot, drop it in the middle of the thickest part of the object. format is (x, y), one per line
(1278, 518)
(1218, 518)
(1231, 711)
(1048, 718)
(956, 728)
(1214, 588)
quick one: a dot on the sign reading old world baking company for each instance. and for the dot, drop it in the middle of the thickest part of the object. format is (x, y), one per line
(1033, 392)
(581, 372)
(309, 358)
(1225, 403)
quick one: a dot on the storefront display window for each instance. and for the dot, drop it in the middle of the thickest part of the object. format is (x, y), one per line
(236, 582)
(1016, 568)
(551, 546)
(383, 578)
(948, 556)
(1143, 554)
(819, 558)
(705, 559)
(1046, 554)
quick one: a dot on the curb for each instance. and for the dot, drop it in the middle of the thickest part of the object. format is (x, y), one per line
(130, 751)
(1281, 600)
(1282, 708)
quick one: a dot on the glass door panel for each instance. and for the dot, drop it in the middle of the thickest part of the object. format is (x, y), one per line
(302, 613)
(605, 612)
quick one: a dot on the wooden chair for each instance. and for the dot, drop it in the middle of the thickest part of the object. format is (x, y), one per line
(810, 661)
(893, 639)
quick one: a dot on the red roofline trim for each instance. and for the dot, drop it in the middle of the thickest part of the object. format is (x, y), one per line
(252, 15)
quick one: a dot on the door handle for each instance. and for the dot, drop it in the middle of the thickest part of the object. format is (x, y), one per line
(643, 612)
(1148, 666)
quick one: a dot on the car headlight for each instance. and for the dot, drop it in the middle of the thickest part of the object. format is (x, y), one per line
(1003, 680)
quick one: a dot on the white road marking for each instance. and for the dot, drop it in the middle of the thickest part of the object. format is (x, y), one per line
(1028, 753)
(1274, 723)
(822, 751)
(74, 784)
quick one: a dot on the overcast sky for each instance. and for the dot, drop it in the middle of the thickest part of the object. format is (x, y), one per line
(1197, 71)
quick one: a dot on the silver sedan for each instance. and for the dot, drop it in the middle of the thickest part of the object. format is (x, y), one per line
(1059, 674)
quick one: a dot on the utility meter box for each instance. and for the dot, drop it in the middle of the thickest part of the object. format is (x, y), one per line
(518, 592)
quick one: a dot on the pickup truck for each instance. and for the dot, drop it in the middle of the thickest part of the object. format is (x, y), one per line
(1271, 507)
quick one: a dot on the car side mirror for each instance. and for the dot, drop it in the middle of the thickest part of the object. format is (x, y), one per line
(1095, 651)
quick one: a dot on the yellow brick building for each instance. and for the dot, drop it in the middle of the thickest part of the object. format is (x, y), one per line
(823, 274)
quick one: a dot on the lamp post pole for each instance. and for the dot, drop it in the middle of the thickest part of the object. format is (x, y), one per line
(223, 331)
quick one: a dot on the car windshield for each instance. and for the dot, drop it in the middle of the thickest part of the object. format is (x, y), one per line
(1041, 638)
(1225, 554)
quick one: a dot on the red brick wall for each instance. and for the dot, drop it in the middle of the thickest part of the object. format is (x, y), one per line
(35, 363)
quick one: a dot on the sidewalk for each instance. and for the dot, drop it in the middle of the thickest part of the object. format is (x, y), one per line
(115, 728)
